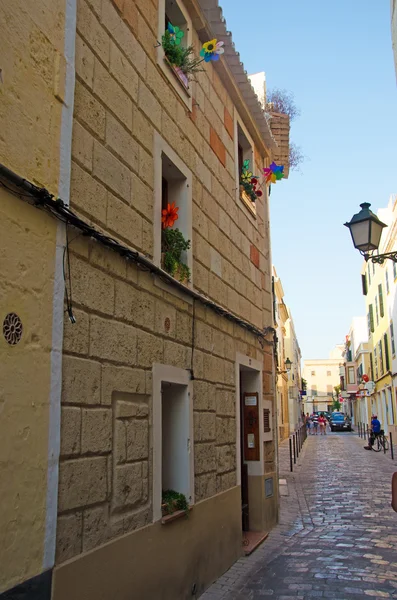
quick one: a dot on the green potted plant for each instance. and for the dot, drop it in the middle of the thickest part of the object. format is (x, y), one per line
(173, 246)
(180, 59)
(173, 501)
(249, 184)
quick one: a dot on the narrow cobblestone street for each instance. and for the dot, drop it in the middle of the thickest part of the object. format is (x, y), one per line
(337, 536)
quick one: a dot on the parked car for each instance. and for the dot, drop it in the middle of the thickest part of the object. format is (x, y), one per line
(325, 413)
(340, 422)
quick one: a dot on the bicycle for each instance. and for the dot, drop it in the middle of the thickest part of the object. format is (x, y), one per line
(381, 442)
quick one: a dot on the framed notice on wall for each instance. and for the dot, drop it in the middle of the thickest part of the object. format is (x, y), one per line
(251, 426)
(251, 400)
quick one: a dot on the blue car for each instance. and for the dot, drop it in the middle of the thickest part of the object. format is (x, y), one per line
(340, 422)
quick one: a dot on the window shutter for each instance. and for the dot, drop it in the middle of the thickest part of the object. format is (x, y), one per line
(387, 361)
(380, 349)
(266, 420)
(371, 317)
(364, 284)
(375, 364)
(393, 347)
(371, 361)
(274, 303)
(387, 281)
(381, 308)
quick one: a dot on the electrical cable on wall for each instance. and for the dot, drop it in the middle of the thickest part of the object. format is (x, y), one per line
(41, 198)
(68, 294)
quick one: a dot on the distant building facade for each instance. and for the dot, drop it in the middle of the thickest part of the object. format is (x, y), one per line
(289, 378)
(293, 351)
(322, 375)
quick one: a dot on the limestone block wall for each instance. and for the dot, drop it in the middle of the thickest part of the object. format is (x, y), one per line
(31, 94)
(32, 88)
(126, 319)
(280, 126)
(121, 98)
(106, 473)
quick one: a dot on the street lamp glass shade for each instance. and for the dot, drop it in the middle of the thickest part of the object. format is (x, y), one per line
(365, 229)
(288, 364)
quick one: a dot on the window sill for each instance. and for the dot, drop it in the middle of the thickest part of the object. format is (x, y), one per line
(179, 76)
(179, 514)
(178, 292)
(245, 199)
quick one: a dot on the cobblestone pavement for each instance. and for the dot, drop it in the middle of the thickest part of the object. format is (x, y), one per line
(337, 536)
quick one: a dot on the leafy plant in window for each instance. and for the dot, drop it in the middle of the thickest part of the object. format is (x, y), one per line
(172, 501)
(173, 245)
(178, 56)
(249, 183)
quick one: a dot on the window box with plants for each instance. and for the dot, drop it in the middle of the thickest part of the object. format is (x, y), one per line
(180, 59)
(249, 187)
(173, 506)
(174, 246)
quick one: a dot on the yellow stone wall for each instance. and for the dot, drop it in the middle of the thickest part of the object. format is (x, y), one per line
(126, 321)
(31, 45)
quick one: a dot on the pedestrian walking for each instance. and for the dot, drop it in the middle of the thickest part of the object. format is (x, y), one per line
(323, 424)
(315, 426)
(307, 421)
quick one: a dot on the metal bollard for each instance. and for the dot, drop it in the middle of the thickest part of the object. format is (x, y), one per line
(293, 444)
(391, 446)
(290, 456)
(359, 429)
(296, 444)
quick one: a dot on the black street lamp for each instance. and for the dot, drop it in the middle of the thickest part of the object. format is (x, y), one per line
(287, 364)
(366, 230)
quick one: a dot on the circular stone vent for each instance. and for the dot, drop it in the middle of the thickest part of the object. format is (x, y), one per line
(12, 329)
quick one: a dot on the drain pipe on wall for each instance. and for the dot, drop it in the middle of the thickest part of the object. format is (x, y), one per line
(65, 158)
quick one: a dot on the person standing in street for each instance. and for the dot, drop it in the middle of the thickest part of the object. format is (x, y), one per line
(323, 425)
(315, 425)
(307, 421)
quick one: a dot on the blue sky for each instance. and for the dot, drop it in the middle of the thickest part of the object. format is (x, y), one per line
(336, 57)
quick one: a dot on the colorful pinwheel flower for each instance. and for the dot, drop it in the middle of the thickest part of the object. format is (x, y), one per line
(176, 34)
(249, 182)
(246, 174)
(169, 215)
(273, 173)
(212, 50)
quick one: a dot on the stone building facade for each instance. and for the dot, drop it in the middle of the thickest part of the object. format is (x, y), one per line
(280, 319)
(32, 109)
(163, 385)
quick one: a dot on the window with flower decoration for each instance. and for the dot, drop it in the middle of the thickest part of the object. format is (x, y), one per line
(173, 210)
(175, 54)
(249, 182)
